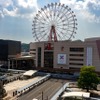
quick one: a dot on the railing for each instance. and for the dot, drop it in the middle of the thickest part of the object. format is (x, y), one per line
(60, 92)
(64, 76)
(14, 70)
(91, 98)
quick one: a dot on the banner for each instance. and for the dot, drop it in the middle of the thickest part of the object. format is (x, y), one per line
(61, 58)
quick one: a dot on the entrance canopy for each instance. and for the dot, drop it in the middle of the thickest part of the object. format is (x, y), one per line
(78, 94)
(30, 73)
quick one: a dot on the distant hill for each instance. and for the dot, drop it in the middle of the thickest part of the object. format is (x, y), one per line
(24, 47)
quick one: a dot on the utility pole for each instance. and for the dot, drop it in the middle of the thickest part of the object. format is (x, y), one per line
(42, 95)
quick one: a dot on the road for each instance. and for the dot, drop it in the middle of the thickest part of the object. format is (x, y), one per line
(44, 91)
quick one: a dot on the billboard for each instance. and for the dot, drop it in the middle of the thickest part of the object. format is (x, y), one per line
(61, 59)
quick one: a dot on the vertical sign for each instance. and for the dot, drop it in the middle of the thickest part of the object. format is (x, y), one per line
(61, 58)
(89, 56)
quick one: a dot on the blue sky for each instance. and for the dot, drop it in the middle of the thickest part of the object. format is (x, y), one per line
(16, 18)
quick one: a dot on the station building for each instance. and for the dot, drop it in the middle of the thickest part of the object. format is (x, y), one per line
(21, 62)
(66, 55)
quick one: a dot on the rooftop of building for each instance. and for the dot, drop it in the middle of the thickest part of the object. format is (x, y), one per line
(78, 40)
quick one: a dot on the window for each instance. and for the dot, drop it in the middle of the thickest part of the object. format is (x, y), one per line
(72, 59)
(32, 49)
(77, 49)
(76, 64)
(80, 55)
(33, 53)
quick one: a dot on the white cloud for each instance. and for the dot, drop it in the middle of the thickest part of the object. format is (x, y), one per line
(68, 2)
(88, 9)
(23, 3)
(1, 14)
(10, 13)
(79, 5)
(16, 8)
(5, 3)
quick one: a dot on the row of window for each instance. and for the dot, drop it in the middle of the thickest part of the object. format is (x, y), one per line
(78, 55)
(76, 64)
(74, 59)
(32, 49)
(71, 49)
(77, 49)
(32, 53)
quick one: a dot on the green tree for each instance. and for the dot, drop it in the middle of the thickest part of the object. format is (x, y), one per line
(88, 79)
(2, 91)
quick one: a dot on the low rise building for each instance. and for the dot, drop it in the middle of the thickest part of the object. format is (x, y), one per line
(9, 49)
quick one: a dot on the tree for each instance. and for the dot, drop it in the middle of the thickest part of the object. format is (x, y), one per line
(2, 90)
(88, 79)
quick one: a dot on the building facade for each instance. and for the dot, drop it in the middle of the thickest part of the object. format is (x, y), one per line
(9, 49)
(63, 55)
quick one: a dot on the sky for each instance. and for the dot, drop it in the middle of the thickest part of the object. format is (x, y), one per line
(16, 18)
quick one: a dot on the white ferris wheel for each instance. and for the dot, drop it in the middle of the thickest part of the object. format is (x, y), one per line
(54, 22)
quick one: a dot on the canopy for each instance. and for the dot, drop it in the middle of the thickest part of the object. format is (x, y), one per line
(80, 94)
(34, 99)
(30, 73)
